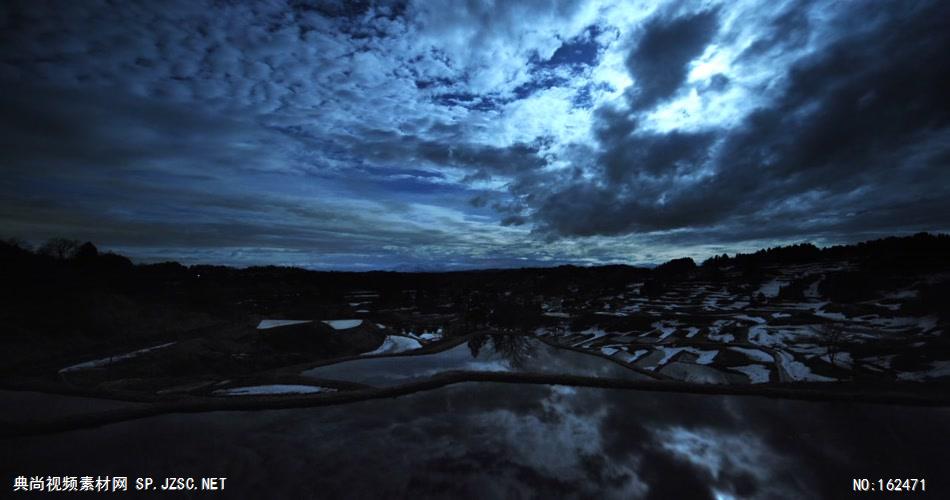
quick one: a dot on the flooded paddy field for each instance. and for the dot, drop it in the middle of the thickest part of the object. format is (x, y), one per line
(484, 440)
(727, 380)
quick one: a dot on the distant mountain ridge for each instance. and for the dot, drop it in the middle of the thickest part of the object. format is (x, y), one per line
(921, 248)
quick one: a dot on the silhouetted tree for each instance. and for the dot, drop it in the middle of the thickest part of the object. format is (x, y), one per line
(59, 248)
(18, 243)
(515, 348)
(833, 338)
(676, 267)
(86, 251)
(716, 261)
(475, 344)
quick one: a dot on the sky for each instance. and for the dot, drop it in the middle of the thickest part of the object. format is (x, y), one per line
(471, 134)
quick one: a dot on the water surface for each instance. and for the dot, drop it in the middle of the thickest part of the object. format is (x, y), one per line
(483, 440)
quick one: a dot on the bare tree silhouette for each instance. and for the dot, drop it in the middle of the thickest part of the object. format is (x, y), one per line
(833, 338)
(59, 248)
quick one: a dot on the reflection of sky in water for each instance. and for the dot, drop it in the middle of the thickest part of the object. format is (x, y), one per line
(503, 354)
(508, 441)
(729, 458)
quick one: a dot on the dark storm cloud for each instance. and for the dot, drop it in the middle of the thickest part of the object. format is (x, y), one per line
(137, 174)
(660, 58)
(468, 131)
(392, 146)
(53, 129)
(789, 29)
(857, 143)
(654, 156)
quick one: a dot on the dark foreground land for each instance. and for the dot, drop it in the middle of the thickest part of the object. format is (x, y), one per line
(781, 374)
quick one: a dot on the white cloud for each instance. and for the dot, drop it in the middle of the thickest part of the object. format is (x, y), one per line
(340, 108)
